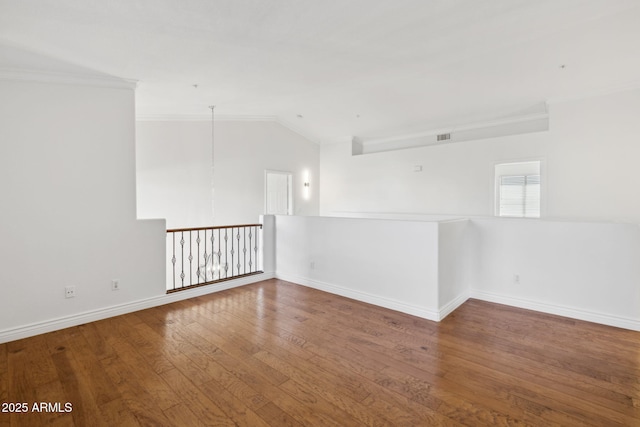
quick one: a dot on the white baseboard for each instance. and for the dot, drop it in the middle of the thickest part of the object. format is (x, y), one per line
(25, 331)
(571, 312)
(117, 310)
(452, 305)
(363, 297)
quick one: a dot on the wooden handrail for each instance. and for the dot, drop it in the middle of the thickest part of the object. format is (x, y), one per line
(217, 227)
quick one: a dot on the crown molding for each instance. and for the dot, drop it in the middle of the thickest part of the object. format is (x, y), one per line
(24, 75)
(203, 118)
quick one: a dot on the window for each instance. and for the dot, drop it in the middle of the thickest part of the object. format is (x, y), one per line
(520, 196)
(518, 190)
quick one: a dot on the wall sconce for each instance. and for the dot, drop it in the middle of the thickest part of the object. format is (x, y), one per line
(306, 183)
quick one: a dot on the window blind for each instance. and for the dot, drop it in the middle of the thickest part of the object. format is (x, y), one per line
(520, 196)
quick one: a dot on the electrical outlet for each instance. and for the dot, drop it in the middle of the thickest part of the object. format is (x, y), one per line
(516, 279)
(312, 265)
(70, 292)
(115, 285)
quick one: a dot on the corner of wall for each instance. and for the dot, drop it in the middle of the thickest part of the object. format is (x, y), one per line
(452, 305)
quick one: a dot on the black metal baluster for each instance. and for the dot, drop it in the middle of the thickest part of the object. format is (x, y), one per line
(256, 249)
(250, 249)
(182, 275)
(213, 265)
(190, 258)
(238, 264)
(232, 251)
(205, 256)
(226, 253)
(244, 248)
(173, 259)
(198, 256)
(219, 256)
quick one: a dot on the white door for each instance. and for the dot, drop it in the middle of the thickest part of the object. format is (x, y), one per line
(278, 193)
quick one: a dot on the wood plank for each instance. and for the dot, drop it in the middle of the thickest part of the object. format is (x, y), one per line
(183, 415)
(209, 366)
(235, 408)
(117, 413)
(135, 397)
(190, 396)
(274, 416)
(77, 390)
(278, 354)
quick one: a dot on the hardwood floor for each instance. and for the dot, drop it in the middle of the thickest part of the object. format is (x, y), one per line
(279, 354)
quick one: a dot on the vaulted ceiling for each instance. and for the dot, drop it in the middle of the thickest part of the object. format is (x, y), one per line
(338, 68)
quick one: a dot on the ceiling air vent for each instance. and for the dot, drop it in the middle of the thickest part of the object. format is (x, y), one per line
(444, 137)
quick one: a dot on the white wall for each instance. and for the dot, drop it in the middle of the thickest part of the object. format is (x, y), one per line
(581, 261)
(582, 270)
(68, 216)
(268, 244)
(174, 170)
(589, 155)
(174, 173)
(453, 259)
(428, 267)
(393, 264)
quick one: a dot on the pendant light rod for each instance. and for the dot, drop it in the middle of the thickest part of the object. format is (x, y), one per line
(212, 107)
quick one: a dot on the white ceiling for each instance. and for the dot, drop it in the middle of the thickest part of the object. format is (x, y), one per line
(371, 68)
